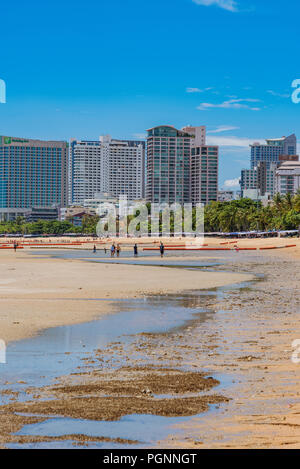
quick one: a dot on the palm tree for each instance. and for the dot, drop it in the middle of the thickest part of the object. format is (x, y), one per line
(288, 201)
(277, 199)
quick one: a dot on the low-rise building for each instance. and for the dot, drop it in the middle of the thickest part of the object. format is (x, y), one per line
(42, 213)
(225, 196)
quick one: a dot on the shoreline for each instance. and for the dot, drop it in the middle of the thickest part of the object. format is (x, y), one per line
(38, 294)
(245, 338)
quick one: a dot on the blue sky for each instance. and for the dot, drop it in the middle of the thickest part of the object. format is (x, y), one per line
(82, 69)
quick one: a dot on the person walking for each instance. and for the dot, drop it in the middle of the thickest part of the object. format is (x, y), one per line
(95, 249)
(135, 250)
(118, 250)
(162, 249)
(15, 246)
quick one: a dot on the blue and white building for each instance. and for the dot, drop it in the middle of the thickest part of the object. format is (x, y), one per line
(271, 151)
(33, 173)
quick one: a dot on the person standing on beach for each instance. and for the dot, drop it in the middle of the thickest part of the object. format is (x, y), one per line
(15, 246)
(112, 250)
(162, 249)
(118, 250)
(95, 249)
(135, 250)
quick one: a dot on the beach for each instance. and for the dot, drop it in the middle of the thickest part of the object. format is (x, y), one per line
(208, 348)
(41, 292)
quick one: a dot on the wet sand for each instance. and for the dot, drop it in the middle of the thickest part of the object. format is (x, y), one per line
(245, 345)
(38, 293)
(251, 342)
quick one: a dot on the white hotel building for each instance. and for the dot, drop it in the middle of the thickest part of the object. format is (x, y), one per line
(109, 166)
(288, 178)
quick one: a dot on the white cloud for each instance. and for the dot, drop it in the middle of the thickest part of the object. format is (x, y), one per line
(232, 183)
(197, 90)
(231, 104)
(194, 90)
(222, 128)
(242, 142)
(140, 136)
(279, 95)
(230, 5)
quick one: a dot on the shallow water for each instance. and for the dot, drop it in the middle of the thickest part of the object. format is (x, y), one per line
(143, 428)
(148, 258)
(60, 351)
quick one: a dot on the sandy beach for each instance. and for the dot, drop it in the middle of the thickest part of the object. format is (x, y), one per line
(37, 293)
(237, 358)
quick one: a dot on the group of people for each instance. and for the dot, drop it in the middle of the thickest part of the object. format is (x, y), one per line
(116, 249)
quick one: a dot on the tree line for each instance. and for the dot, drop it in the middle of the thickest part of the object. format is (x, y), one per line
(283, 213)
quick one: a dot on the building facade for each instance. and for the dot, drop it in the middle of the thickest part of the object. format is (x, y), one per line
(204, 174)
(168, 165)
(199, 134)
(106, 166)
(261, 178)
(265, 159)
(33, 173)
(225, 196)
(181, 168)
(272, 150)
(288, 178)
(248, 179)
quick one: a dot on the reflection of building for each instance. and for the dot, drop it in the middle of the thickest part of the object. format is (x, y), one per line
(107, 165)
(33, 173)
(180, 167)
(288, 178)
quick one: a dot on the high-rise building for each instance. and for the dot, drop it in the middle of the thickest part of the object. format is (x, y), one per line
(261, 178)
(265, 159)
(106, 166)
(204, 174)
(248, 179)
(271, 151)
(266, 178)
(33, 173)
(288, 178)
(168, 165)
(180, 166)
(199, 134)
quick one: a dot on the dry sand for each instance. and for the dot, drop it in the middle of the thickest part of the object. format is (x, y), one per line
(251, 343)
(38, 293)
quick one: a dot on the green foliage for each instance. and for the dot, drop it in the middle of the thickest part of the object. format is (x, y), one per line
(41, 227)
(238, 215)
(246, 215)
